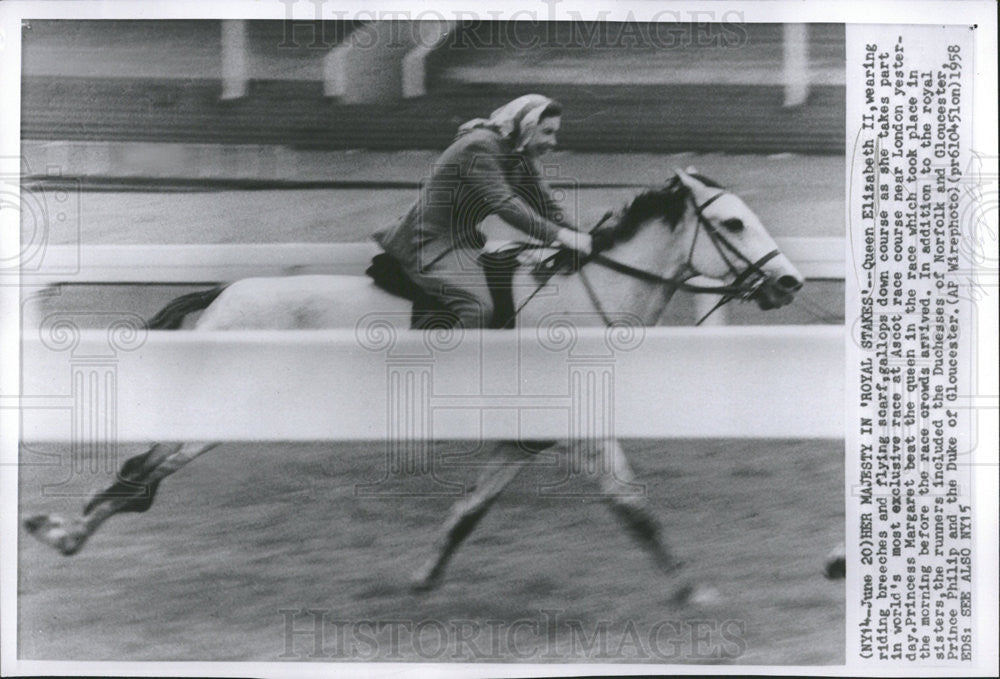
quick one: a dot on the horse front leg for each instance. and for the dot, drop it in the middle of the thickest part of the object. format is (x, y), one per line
(133, 491)
(468, 511)
(632, 510)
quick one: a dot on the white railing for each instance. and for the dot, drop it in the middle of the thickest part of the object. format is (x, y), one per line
(816, 258)
(95, 388)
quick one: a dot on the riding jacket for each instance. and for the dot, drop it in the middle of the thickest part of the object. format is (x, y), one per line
(477, 176)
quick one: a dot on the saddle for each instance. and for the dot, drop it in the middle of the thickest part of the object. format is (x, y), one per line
(499, 266)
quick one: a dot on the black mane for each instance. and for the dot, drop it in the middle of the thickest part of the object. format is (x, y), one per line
(666, 203)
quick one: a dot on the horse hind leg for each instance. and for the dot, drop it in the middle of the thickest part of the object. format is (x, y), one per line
(467, 512)
(136, 495)
(127, 493)
(133, 491)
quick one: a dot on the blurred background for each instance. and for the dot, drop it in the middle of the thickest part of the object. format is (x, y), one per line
(626, 87)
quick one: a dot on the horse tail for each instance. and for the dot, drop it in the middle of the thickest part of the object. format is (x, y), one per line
(171, 316)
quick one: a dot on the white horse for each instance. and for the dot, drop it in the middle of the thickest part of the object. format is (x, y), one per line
(664, 238)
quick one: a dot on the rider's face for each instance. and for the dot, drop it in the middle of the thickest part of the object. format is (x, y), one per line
(544, 138)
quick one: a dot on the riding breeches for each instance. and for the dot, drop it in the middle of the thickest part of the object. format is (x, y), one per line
(458, 281)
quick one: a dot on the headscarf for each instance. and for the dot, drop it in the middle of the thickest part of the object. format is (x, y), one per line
(515, 121)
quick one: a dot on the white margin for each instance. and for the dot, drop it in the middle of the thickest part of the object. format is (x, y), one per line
(866, 11)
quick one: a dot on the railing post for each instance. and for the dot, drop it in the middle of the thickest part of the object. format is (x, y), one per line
(367, 67)
(795, 63)
(93, 388)
(414, 65)
(235, 59)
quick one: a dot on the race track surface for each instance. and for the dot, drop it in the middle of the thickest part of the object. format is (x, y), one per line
(253, 533)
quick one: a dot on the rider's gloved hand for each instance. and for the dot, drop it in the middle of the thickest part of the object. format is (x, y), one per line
(603, 238)
(576, 240)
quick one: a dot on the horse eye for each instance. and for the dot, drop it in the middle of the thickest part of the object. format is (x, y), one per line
(733, 224)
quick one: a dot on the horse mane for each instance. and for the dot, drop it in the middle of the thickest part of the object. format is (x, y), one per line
(666, 203)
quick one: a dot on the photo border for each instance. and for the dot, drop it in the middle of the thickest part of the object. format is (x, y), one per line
(985, 142)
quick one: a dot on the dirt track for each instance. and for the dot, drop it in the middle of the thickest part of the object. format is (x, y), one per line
(255, 529)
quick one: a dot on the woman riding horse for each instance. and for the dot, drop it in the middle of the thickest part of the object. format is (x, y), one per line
(492, 168)
(666, 236)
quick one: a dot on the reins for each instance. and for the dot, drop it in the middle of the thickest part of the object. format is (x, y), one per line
(735, 290)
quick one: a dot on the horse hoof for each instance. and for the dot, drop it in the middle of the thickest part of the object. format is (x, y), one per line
(52, 531)
(835, 567)
(704, 595)
(423, 584)
(691, 593)
(424, 581)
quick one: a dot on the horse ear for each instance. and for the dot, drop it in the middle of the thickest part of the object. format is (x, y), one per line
(687, 180)
(699, 191)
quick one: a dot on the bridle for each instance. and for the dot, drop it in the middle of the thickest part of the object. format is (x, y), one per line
(745, 285)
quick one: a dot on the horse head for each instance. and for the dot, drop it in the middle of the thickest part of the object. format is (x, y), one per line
(710, 233)
(723, 239)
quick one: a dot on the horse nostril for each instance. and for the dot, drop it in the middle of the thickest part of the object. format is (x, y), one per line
(789, 283)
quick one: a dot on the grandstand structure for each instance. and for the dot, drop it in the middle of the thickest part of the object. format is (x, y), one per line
(663, 88)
